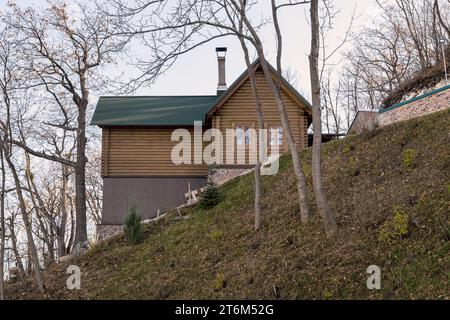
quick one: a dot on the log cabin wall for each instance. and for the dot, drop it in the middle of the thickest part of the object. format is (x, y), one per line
(239, 110)
(143, 152)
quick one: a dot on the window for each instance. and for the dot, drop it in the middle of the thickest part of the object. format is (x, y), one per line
(243, 135)
(276, 136)
(247, 136)
(240, 136)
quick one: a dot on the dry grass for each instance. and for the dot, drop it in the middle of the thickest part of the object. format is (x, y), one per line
(216, 254)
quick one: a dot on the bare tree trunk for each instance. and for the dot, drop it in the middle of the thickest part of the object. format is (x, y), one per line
(13, 239)
(301, 180)
(2, 225)
(51, 245)
(61, 232)
(72, 230)
(49, 230)
(317, 174)
(30, 241)
(80, 181)
(298, 168)
(261, 137)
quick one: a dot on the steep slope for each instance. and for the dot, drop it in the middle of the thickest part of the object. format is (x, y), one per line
(390, 190)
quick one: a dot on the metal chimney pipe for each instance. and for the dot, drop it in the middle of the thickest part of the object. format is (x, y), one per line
(221, 55)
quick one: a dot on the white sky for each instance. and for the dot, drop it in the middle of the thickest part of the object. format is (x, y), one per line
(196, 72)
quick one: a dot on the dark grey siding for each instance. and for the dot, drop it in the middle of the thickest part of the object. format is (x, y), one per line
(147, 194)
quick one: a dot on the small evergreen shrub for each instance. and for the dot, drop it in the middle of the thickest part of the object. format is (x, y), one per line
(132, 227)
(210, 198)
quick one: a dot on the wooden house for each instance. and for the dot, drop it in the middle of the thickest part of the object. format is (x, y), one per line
(137, 168)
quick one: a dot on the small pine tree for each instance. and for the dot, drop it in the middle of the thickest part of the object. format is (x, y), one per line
(210, 198)
(132, 227)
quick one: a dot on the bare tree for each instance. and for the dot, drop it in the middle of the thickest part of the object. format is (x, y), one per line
(402, 43)
(8, 80)
(317, 174)
(60, 54)
(331, 99)
(298, 168)
(332, 91)
(5, 142)
(94, 190)
(441, 19)
(261, 136)
(2, 223)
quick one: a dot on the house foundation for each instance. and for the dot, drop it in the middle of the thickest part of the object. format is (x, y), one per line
(221, 175)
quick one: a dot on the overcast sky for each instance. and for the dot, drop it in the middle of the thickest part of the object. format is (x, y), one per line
(196, 72)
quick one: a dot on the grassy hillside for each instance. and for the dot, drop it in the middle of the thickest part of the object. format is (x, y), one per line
(390, 190)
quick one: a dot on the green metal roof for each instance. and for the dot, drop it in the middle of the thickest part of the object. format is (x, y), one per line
(164, 110)
(152, 110)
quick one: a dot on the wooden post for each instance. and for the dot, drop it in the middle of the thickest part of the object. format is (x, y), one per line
(189, 192)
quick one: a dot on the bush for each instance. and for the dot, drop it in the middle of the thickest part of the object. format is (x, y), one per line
(409, 158)
(210, 198)
(397, 227)
(219, 282)
(132, 227)
(216, 235)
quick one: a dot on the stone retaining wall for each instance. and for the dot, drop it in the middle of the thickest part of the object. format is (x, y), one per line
(219, 176)
(415, 109)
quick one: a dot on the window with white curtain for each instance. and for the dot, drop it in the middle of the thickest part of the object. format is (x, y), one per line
(240, 136)
(243, 135)
(276, 136)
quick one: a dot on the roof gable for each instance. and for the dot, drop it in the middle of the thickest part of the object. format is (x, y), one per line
(285, 86)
